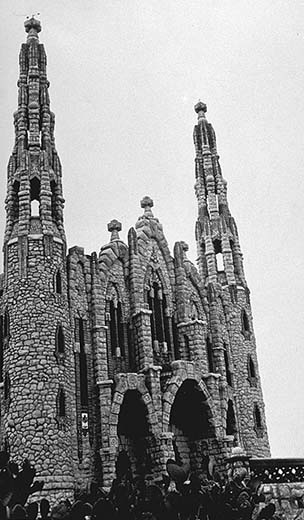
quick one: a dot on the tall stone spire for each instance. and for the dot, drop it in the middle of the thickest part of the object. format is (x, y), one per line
(37, 408)
(34, 170)
(232, 341)
(216, 233)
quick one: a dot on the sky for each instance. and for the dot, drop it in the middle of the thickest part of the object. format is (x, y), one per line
(125, 75)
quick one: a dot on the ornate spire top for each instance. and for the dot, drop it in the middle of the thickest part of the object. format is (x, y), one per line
(114, 227)
(201, 109)
(32, 27)
(147, 204)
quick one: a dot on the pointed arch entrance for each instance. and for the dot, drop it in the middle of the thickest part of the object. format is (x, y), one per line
(191, 424)
(134, 433)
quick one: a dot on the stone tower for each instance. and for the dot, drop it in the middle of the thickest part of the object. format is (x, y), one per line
(221, 267)
(130, 350)
(36, 353)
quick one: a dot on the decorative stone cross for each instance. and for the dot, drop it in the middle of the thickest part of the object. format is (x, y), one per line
(147, 204)
(114, 227)
(200, 108)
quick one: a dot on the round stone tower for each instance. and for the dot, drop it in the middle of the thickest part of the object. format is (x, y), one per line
(37, 355)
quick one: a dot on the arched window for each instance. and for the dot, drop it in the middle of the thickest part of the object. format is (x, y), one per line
(257, 417)
(161, 322)
(58, 283)
(35, 197)
(61, 403)
(116, 325)
(210, 355)
(245, 323)
(231, 422)
(227, 366)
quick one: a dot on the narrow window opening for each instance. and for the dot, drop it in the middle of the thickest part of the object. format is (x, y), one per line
(61, 403)
(60, 340)
(218, 255)
(245, 322)
(35, 197)
(251, 368)
(227, 367)
(83, 365)
(210, 355)
(58, 283)
(121, 330)
(257, 417)
(113, 328)
(231, 422)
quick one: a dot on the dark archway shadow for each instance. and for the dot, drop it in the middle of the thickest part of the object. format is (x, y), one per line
(192, 425)
(134, 433)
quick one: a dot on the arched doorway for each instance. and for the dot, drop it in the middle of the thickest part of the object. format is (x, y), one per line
(134, 433)
(190, 422)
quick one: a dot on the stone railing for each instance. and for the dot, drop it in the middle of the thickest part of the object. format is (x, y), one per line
(283, 483)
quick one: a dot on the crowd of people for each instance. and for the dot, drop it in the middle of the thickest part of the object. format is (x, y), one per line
(179, 495)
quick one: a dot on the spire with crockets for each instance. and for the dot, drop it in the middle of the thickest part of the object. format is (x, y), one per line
(34, 202)
(219, 253)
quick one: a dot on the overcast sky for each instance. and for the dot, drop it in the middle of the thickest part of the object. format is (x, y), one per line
(124, 76)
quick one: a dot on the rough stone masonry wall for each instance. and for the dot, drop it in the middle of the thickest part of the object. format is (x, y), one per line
(288, 499)
(254, 439)
(32, 424)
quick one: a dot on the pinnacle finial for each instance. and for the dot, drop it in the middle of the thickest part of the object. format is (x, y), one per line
(32, 27)
(147, 204)
(200, 108)
(114, 227)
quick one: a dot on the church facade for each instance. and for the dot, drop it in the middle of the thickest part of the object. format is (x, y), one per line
(132, 349)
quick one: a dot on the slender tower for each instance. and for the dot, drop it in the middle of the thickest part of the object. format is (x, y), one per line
(221, 267)
(36, 354)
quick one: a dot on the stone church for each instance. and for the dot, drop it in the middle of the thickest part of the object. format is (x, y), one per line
(132, 349)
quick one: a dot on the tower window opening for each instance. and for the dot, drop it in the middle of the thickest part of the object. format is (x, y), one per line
(245, 322)
(231, 422)
(251, 368)
(58, 284)
(61, 403)
(35, 197)
(60, 340)
(257, 417)
(218, 255)
(227, 367)
(210, 355)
